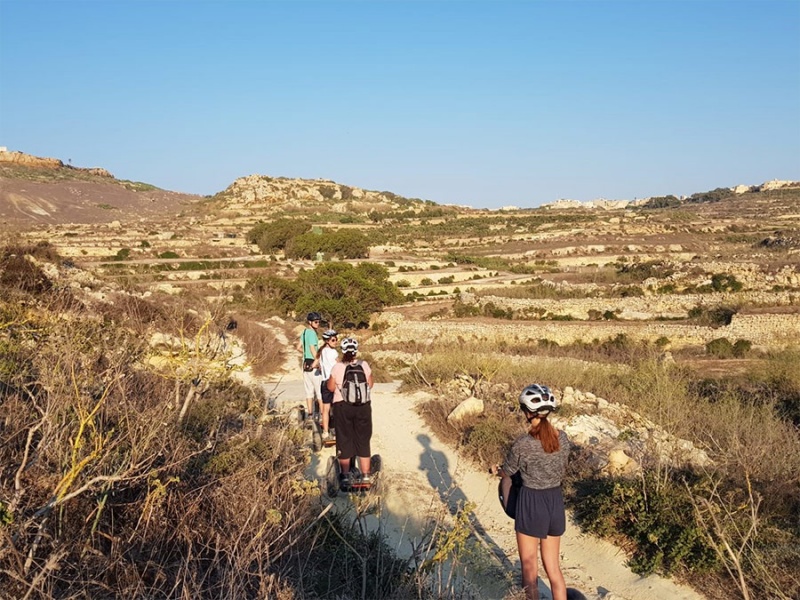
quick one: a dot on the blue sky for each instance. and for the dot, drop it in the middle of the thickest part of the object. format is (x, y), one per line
(480, 103)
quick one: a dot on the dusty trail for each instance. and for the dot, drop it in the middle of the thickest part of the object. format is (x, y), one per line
(420, 473)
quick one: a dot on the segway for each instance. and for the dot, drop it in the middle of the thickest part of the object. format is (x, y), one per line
(355, 483)
(317, 443)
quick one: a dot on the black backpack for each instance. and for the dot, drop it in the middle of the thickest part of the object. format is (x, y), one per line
(510, 505)
(355, 389)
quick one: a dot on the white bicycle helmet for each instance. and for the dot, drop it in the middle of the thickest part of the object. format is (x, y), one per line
(537, 399)
(349, 345)
(330, 333)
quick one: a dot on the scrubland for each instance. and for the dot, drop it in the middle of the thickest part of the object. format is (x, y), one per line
(138, 470)
(137, 467)
(728, 528)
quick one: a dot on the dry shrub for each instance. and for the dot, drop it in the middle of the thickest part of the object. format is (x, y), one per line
(141, 314)
(438, 365)
(104, 493)
(264, 352)
(753, 448)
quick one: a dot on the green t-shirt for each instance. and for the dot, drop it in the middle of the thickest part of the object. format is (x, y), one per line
(310, 340)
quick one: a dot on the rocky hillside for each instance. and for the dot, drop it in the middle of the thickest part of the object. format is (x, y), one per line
(36, 190)
(45, 191)
(261, 194)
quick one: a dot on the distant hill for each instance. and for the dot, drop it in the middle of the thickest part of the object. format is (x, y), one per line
(35, 190)
(46, 191)
(264, 195)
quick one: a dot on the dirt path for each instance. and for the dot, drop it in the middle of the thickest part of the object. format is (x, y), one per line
(422, 477)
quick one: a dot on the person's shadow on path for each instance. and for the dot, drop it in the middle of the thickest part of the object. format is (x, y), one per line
(437, 469)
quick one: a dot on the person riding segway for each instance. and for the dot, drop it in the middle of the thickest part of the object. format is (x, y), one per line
(327, 356)
(351, 383)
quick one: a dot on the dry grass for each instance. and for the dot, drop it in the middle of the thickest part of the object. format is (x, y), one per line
(752, 446)
(264, 353)
(106, 492)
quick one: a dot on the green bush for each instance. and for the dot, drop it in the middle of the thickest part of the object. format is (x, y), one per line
(274, 235)
(345, 243)
(717, 316)
(494, 311)
(715, 195)
(465, 310)
(639, 271)
(657, 516)
(722, 282)
(168, 254)
(662, 202)
(720, 348)
(741, 348)
(341, 292)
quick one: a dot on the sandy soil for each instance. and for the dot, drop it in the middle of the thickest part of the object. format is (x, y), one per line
(423, 478)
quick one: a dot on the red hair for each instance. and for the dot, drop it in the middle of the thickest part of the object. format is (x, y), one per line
(546, 434)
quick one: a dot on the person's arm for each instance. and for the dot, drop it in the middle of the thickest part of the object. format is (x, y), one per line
(507, 470)
(331, 384)
(368, 371)
(299, 344)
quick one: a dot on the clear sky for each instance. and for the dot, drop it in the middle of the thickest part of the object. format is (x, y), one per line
(483, 103)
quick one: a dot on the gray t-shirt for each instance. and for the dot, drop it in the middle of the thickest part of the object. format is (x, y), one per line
(539, 469)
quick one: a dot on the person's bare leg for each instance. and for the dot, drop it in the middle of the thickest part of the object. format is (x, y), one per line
(364, 464)
(528, 557)
(310, 405)
(326, 416)
(344, 463)
(551, 548)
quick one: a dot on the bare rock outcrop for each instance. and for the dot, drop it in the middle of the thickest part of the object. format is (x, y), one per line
(28, 160)
(262, 192)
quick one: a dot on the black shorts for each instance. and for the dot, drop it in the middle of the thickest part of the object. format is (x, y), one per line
(327, 397)
(353, 430)
(540, 513)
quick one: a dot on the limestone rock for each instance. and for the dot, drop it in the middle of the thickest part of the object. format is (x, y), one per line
(470, 406)
(619, 463)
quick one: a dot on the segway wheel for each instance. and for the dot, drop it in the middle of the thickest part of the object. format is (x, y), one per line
(316, 438)
(297, 415)
(332, 477)
(375, 463)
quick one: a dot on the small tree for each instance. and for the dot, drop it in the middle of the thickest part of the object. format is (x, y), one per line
(274, 236)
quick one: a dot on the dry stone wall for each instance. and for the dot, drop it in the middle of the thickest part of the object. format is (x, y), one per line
(635, 308)
(768, 331)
